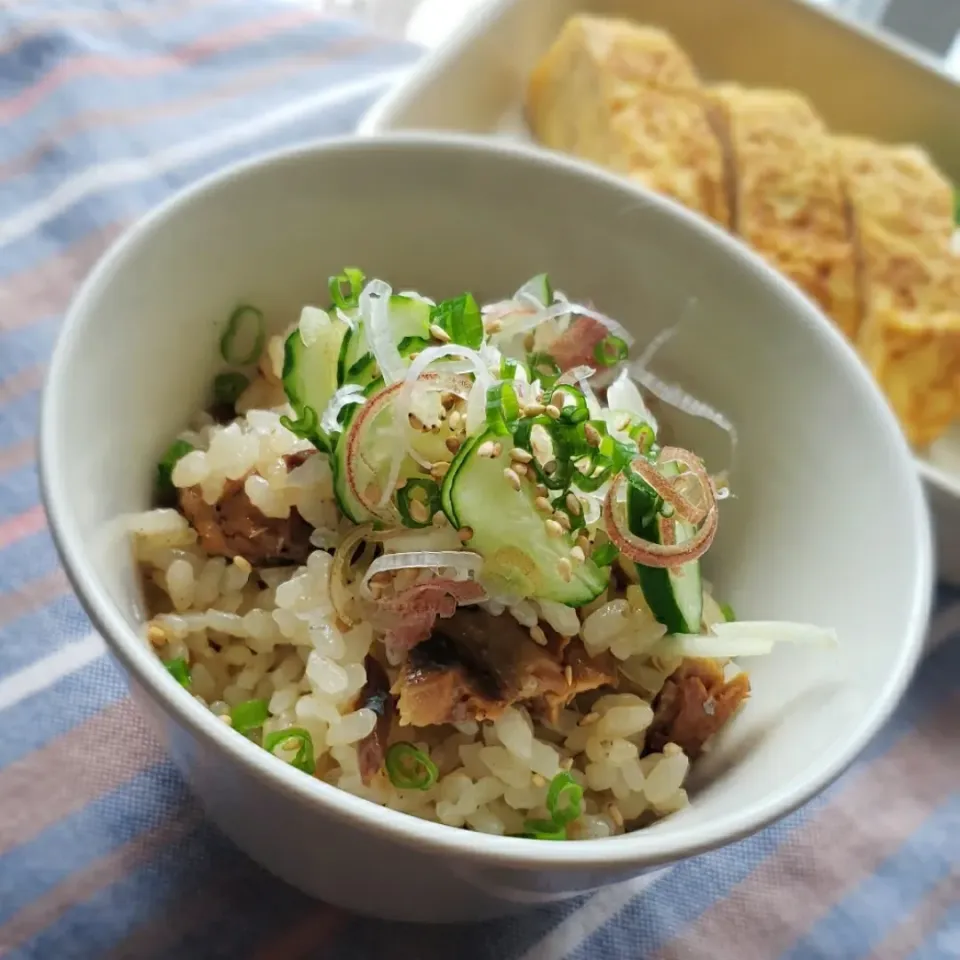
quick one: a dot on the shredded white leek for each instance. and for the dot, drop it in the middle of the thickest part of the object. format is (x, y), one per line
(744, 638)
(464, 564)
(346, 395)
(374, 306)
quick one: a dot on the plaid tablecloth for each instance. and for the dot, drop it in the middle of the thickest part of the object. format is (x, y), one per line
(105, 109)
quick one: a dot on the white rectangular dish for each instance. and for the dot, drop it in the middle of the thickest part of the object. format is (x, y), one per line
(861, 82)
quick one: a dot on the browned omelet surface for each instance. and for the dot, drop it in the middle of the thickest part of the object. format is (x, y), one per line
(787, 199)
(909, 279)
(628, 98)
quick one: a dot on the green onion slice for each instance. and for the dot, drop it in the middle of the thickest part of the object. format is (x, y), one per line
(460, 319)
(179, 670)
(249, 715)
(564, 799)
(727, 612)
(543, 368)
(409, 768)
(564, 442)
(576, 412)
(503, 408)
(345, 288)
(166, 492)
(610, 350)
(303, 760)
(643, 436)
(246, 323)
(306, 425)
(604, 555)
(430, 499)
(227, 387)
(508, 369)
(544, 830)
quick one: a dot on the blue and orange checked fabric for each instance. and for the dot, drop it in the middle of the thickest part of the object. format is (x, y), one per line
(105, 109)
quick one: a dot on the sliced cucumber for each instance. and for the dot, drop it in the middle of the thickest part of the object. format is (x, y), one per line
(540, 288)
(310, 374)
(508, 532)
(675, 596)
(410, 321)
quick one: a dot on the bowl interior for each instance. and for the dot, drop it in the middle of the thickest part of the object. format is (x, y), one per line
(827, 525)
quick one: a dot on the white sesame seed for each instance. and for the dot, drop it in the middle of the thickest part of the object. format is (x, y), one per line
(452, 444)
(520, 469)
(538, 636)
(485, 449)
(439, 519)
(591, 717)
(553, 528)
(615, 815)
(440, 468)
(565, 569)
(568, 675)
(226, 718)
(497, 448)
(454, 419)
(156, 635)
(552, 412)
(512, 478)
(438, 333)
(538, 780)
(671, 750)
(557, 399)
(592, 435)
(543, 505)
(418, 511)
(534, 409)
(577, 554)
(521, 455)
(563, 520)
(574, 505)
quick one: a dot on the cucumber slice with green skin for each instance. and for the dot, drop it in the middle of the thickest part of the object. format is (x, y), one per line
(310, 374)
(410, 320)
(508, 532)
(540, 288)
(674, 596)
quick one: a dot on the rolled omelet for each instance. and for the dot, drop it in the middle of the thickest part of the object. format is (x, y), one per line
(910, 281)
(628, 98)
(786, 198)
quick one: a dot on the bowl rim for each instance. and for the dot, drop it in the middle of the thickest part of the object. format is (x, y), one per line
(643, 848)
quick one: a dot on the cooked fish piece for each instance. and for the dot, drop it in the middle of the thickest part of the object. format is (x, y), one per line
(234, 527)
(586, 673)
(473, 667)
(909, 281)
(694, 704)
(628, 98)
(787, 198)
(375, 695)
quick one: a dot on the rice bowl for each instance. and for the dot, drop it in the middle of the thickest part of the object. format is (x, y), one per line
(273, 225)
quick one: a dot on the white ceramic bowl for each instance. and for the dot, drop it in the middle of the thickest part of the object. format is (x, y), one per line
(829, 524)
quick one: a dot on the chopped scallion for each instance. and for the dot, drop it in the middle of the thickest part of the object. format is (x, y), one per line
(503, 408)
(543, 830)
(179, 670)
(564, 799)
(246, 324)
(306, 425)
(227, 387)
(727, 612)
(303, 760)
(345, 288)
(643, 436)
(166, 492)
(610, 350)
(604, 555)
(430, 501)
(543, 368)
(460, 319)
(249, 715)
(409, 768)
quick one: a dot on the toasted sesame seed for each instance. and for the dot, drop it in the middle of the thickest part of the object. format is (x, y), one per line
(485, 449)
(550, 467)
(376, 590)
(577, 554)
(520, 469)
(156, 635)
(563, 520)
(574, 505)
(512, 478)
(521, 455)
(568, 675)
(566, 763)
(439, 519)
(440, 468)
(538, 636)
(591, 717)
(541, 490)
(543, 505)
(622, 423)
(419, 512)
(553, 528)
(497, 448)
(552, 412)
(538, 780)
(225, 718)
(557, 399)
(583, 542)
(492, 326)
(592, 435)
(615, 815)
(534, 409)
(448, 400)
(454, 419)
(416, 422)
(565, 569)
(438, 333)
(465, 534)
(452, 444)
